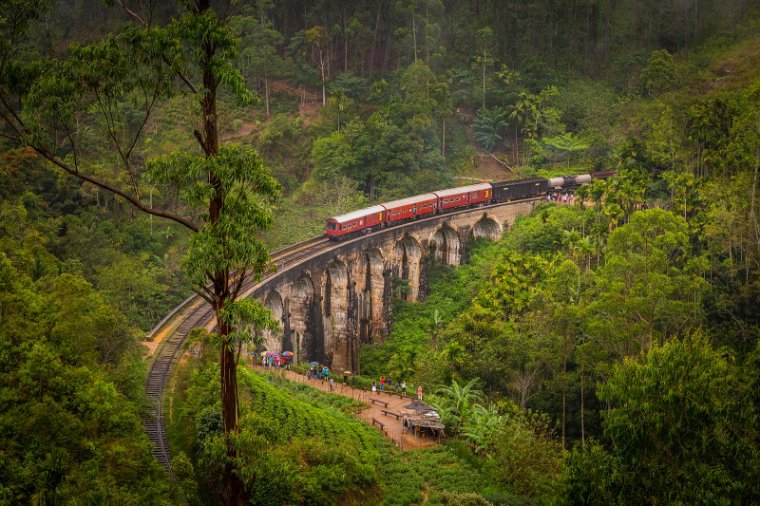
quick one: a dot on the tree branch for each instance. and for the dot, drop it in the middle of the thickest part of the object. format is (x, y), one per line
(146, 24)
(207, 290)
(19, 127)
(204, 297)
(182, 76)
(239, 284)
(199, 136)
(112, 189)
(132, 13)
(73, 147)
(107, 111)
(13, 113)
(148, 110)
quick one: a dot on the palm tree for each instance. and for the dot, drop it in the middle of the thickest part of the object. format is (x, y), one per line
(488, 127)
(483, 426)
(437, 325)
(455, 403)
(524, 114)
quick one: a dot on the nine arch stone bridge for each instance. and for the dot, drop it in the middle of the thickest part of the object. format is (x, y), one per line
(336, 299)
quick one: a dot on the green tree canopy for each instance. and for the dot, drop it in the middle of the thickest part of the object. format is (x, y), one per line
(682, 427)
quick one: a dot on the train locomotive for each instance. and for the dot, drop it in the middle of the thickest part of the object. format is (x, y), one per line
(363, 221)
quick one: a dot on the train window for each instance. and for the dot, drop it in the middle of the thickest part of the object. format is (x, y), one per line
(343, 227)
(331, 226)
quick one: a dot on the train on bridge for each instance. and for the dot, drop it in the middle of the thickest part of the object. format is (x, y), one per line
(408, 209)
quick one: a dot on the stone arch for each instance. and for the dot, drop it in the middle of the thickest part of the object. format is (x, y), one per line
(407, 254)
(273, 338)
(487, 227)
(445, 245)
(370, 297)
(304, 310)
(335, 303)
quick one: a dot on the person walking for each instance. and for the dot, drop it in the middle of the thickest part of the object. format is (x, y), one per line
(419, 392)
(403, 387)
(382, 383)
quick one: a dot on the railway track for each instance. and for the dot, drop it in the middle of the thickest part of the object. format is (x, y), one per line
(154, 386)
(188, 315)
(193, 312)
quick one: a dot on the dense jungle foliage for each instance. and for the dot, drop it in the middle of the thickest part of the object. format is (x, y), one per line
(604, 353)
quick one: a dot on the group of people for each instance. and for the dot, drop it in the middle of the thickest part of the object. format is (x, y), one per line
(398, 387)
(275, 361)
(389, 383)
(564, 198)
(322, 372)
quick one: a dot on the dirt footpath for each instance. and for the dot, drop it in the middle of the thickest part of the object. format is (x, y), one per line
(393, 428)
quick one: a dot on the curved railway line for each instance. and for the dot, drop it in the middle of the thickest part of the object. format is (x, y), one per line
(188, 315)
(193, 312)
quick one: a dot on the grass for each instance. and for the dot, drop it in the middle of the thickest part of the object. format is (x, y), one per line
(414, 476)
(405, 477)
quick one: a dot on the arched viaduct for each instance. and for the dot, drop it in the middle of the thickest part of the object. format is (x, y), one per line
(340, 297)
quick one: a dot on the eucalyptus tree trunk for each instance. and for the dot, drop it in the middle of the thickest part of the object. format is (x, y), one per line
(220, 279)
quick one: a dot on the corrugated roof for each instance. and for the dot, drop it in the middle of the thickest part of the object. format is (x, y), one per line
(409, 200)
(359, 213)
(462, 189)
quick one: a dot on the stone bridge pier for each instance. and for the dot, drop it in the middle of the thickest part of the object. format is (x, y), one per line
(334, 301)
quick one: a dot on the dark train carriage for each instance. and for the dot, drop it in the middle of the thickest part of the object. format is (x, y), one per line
(504, 191)
(603, 175)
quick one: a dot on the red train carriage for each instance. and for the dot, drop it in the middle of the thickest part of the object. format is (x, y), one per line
(463, 196)
(410, 207)
(355, 221)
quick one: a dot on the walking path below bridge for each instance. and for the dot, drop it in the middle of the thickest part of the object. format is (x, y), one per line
(392, 427)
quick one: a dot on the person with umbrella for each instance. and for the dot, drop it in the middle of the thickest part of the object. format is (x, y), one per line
(288, 356)
(325, 373)
(345, 377)
(313, 370)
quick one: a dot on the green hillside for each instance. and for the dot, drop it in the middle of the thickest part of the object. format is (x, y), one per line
(601, 353)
